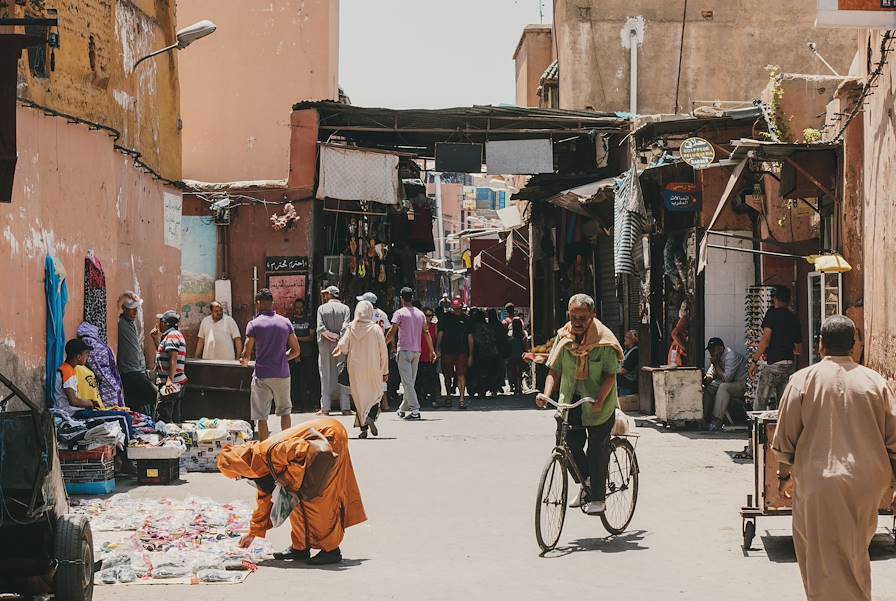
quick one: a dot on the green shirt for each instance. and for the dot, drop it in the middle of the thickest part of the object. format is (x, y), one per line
(602, 361)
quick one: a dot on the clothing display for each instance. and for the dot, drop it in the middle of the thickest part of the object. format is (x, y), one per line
(629, 220)
(56, 292)
(95, 294)
(102, 362)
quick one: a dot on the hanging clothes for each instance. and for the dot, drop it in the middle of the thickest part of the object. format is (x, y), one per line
(95, 294)
(101, 361)
(57, 297)
(629, 219)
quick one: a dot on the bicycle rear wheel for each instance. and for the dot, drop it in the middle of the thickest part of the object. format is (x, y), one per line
(550, 506)
(622, 487)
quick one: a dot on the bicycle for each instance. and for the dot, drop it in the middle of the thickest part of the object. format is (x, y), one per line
(553, 489)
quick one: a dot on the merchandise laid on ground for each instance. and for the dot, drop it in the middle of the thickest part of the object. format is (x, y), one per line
(163, 541)
(161, 451)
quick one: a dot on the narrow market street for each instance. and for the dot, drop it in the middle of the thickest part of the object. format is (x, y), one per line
(450, 503)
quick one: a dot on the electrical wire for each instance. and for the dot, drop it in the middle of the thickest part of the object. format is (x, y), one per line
(684, 17)
(869, 85)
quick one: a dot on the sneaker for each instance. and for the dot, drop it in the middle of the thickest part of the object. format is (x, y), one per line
(348, 412)
(400, 414)
(326, 558)
(414, 415)
(363, 434)
(372, 425)
(595, 507)
(580, 498)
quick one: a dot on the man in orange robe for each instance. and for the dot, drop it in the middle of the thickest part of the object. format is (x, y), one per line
(312, 461)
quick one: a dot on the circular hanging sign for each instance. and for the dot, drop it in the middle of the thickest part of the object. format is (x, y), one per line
(697, 152)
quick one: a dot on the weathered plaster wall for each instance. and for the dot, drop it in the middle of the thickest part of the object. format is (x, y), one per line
(880, 220)
(533, 55)
(727, 46)
(239, 85)
(73, 193)
(100, 40)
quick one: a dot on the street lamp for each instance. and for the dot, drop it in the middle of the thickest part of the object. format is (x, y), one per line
(185, 37)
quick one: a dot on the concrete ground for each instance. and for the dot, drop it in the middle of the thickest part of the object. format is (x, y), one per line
(451, 498)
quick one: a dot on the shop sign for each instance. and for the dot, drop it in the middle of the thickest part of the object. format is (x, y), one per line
(861, 14)
(697, 152)
(285, 264)
(681, 197)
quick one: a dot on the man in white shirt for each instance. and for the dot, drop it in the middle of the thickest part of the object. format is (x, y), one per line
(379, 316)
(219, 336)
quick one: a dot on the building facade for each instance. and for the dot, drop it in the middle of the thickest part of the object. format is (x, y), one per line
(717, 50)
(98, 151)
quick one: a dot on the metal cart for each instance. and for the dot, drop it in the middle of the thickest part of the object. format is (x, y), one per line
(42, 549)
(768, 502)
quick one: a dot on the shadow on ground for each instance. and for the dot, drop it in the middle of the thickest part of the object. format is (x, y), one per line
(623, 543)
(779, 547)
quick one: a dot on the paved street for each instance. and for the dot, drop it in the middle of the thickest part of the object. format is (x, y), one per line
(450, 501)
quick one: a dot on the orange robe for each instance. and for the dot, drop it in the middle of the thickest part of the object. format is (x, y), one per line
(328, 515)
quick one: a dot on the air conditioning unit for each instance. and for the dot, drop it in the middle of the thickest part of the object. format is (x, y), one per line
(338, 265)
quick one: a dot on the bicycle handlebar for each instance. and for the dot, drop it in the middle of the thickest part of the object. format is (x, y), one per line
(565, 405)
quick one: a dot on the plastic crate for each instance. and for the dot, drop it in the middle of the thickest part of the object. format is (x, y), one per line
(103, 487)
(158, 471)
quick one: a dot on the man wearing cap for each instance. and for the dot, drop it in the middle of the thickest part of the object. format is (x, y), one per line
(139, 392)
(275, 344)
(171, 357)
(379, 316)
(408, 327)
(725, 378)
(332, 320)
(455, 344)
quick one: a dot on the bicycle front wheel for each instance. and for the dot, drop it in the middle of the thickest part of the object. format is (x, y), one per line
(622, 487)
(550, 507)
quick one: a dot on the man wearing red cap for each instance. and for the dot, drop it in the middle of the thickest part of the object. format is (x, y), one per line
(455, 344)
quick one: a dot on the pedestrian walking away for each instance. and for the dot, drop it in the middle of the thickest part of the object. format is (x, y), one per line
(781, 345)
(427, 385)
(836, 443)
(275, 344)
(308, 471)
(584, 362)
(219, 336)
(139, 392)
(368, 365)
(332, 320)
(381, 319)
(408, 329)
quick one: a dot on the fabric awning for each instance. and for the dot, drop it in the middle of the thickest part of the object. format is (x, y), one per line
(730, 187)
(576, 199)
(348, 173)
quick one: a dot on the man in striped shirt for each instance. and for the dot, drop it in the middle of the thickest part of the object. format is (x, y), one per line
(171, 356)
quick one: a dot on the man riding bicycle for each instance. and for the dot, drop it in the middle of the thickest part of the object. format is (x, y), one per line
(584, 361)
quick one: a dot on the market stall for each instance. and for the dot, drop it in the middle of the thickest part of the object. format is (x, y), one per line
(766, 500)
(217, 388)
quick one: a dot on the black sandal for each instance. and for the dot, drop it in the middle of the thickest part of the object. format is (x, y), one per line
(291, 553)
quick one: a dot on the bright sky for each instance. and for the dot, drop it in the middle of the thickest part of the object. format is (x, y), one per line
(431, 53)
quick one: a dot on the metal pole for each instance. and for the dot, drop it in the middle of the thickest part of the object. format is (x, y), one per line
(440, 224)
(633, 88)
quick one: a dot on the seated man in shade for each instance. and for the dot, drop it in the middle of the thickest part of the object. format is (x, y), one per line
(75, 391)
(725, 379)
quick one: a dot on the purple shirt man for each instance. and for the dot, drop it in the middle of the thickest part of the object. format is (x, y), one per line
(408, 324)
(275, 345)
(271, 333)
(410, 321)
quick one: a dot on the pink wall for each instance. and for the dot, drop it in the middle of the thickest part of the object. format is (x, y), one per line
(238, 85)
(72, 193)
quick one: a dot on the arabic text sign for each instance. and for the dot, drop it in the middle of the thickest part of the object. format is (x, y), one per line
(697, 152)
(285, 264)
(286, 289)
(681, 197)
